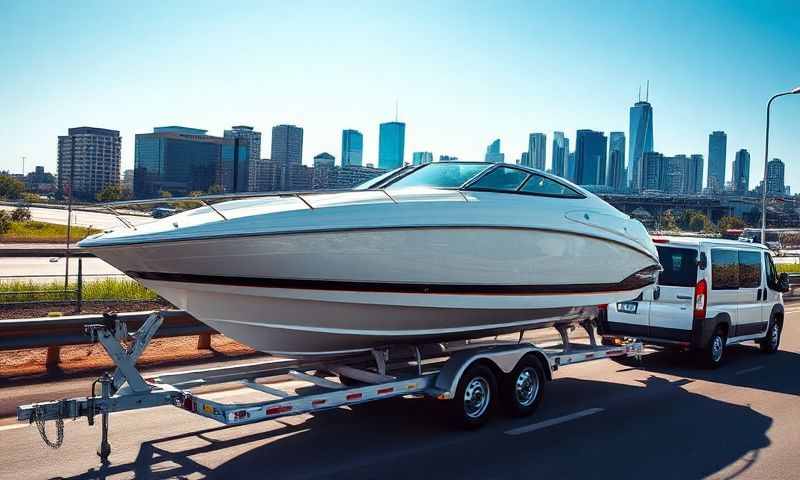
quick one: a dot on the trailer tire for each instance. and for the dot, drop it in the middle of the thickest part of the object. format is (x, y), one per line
(523, 388)
(473, 402)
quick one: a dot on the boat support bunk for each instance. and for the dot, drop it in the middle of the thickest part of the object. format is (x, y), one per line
(470, 375)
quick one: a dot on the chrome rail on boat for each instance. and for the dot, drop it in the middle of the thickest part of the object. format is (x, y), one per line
(205, 200)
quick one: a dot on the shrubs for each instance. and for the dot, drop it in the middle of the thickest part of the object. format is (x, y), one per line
(5, 222)
(21, 214)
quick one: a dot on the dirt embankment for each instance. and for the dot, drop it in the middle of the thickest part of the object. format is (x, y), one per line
(35, 310)
(15, 365)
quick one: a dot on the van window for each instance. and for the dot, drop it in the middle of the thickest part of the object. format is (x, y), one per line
(772, 275)
(724, 269)
(749, 269)
(680, 267)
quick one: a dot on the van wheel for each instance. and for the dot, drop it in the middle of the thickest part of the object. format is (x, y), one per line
(772, 341)
(713, 354)
(522, 389)
(472, 404)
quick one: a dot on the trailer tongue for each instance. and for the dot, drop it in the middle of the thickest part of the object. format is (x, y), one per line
(467, 374)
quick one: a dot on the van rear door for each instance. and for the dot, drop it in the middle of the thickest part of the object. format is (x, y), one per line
(671, 314)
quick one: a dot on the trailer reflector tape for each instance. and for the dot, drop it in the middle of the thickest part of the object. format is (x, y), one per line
(411, 386)
(208, 409)
(354, 396)
(384, 391)
(318, 402)
(278, 409)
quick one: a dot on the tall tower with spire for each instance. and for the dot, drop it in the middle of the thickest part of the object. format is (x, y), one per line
(640, 137)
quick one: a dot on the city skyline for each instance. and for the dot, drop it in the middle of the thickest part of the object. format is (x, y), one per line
(453, 111)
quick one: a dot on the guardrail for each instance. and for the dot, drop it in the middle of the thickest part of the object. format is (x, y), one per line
(56, 332)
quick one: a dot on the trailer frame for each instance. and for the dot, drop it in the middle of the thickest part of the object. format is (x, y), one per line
(428, 370)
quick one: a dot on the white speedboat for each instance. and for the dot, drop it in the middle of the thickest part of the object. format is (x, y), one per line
(427, 253)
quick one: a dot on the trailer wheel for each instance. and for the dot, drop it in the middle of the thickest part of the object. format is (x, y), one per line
(472, 404)
(523, 388)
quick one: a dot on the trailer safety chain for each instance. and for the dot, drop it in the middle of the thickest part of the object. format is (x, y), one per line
(37, 417)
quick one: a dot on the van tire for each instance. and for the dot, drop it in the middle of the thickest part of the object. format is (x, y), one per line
(771, 342)
(713, 354)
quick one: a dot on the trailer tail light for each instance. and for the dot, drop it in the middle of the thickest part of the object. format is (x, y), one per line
(660, 240)
(278, 410)
(354, 396)
(318, 402)
(188, 404)
(700, 299)
(384, 391)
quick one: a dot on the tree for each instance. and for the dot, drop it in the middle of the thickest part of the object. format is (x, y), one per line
(29, 197)
(731, 223)
(10, 187)
(667, 221)
(111, 193)
(164, 194)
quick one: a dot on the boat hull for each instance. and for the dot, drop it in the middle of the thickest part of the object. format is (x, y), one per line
(325, 292)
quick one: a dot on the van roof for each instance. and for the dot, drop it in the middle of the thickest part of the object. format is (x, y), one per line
(697, 241)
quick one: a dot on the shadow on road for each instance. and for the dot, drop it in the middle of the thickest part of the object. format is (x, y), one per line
(657, 430)
(745, 366)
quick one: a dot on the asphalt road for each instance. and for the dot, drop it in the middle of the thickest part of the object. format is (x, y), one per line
(661, 418)
(102, 221)
(47, 271)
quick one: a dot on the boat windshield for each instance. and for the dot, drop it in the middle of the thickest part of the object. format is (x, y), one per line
(383, 178)
(440, 175)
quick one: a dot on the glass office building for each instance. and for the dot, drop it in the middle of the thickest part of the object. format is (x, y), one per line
(641, 141)
(391, 145)
(352, 148)
(590, 157)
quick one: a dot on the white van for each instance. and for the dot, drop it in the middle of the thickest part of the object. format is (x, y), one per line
(711, 293)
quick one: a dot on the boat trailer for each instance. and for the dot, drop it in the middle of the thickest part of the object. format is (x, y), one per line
(440, 371)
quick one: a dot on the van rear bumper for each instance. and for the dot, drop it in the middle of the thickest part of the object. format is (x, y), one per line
(696, 338)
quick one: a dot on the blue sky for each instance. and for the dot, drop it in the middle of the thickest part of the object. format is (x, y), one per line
(464, 73)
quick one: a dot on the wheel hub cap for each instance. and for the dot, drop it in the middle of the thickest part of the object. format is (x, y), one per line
(476, 397)
(716, 349)
(527, 387)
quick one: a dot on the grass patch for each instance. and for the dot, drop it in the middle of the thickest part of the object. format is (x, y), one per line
(33, 231)
(788, 267)
(106, 289)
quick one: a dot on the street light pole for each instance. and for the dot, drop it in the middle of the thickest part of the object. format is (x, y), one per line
(794, 91)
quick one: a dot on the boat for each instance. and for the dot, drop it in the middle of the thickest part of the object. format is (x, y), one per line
(423, 254)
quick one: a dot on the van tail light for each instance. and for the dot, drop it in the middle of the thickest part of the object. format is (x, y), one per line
(700, 299)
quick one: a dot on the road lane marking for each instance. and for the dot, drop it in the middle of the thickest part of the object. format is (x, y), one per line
(749, 370)
(553, 421)
(13, 426)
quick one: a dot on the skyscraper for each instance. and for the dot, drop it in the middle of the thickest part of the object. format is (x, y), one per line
(88, 161)
(560, 154)
(537, 153)
(696, 174)
(253, 140)
(418, 158)
(741, 172)
(493, 153)
(287, 144)
(571, 167)
(616, 161)
(590, 157)
(352, 148)
(524, 159)
(641, 140)
(775, 177)
(717, 153)
(391, 145)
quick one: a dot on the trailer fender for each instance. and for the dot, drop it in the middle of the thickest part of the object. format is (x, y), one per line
(503, 358)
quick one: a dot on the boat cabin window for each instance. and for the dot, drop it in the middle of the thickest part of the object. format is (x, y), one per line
(540, 185)
(440, 175)
(503, 178)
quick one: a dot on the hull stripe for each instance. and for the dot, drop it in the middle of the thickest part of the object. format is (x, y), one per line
(638, 280)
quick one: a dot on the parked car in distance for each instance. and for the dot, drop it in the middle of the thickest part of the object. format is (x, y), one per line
(711, 294)
(162, 212)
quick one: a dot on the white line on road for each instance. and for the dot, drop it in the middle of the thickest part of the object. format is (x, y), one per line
(749, 370)
(553, 421)
(13, 426)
